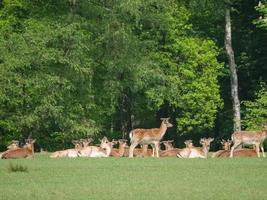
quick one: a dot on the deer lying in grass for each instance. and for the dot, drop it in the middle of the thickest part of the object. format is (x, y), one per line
(148, 136)
(198, 152)
(25, 152)
(121, 150)
(239, 153)
(173, 152)
(167, 144)
(226, 147)
(12, 146)
(94, 151)
(251, 138)
(71, 153)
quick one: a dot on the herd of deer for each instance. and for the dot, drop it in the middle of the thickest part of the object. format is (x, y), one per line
(152, 137)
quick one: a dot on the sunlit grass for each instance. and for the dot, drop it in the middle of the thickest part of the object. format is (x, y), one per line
(137, 178)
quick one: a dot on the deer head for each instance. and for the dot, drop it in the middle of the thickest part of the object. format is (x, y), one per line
(166, 122)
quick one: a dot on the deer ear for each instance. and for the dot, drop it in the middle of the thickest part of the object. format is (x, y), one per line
(33, 141)
(211, 139)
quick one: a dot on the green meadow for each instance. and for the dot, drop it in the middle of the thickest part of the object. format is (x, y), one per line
(137, 178)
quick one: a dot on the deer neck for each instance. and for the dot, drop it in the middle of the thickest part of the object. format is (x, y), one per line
(205, 150)
(121, 149)
(108, 150)
(162, 129)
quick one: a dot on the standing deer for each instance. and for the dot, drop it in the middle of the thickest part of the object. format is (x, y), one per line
(250, 137)
(148, 136)
(26, 151)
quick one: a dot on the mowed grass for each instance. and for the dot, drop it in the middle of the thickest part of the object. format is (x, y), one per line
(137, 178)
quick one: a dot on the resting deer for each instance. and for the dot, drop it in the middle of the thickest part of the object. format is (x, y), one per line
(94, 151)
(25, 152)
(71, 153)
(148, 136)
(12, 146)
(119, 152)
(251, 138)
(174, 151)
(199, 152)
(167, 144)
(226, 147)
(86, 142)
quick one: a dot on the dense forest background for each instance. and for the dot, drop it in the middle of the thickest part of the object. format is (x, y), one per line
(86, 68)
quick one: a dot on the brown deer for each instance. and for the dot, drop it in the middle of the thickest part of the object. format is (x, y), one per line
(148, 136)
(13, 145)
(226, 147)
(86, 142)
(167, 144)
(95, 151)
(176, 151)
(71, 153)
(239, 153)
(199, 152)
(251, 138)
(25, 152)
(121, 150)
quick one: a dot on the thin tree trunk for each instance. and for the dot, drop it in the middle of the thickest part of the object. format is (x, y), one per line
(232, 65)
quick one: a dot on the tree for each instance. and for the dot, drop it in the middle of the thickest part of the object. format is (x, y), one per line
(232, 65)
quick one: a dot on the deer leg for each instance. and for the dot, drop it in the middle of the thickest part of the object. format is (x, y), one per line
(258, 150)
(157, 149)
(153, 149)
(233, 147)
(262, 150)
(132, 147)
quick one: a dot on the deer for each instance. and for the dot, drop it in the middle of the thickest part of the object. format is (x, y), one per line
(167, 144)
(149, 136)
(199, 152)
(86, 142)
(71, 153)
(27, 151)
(226, 147)
(239, 153)
(94, 151)
(175, 151)
(13, 145)
(119, 152)
(251, 138)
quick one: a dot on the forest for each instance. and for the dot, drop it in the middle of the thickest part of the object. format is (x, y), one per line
(73, 69)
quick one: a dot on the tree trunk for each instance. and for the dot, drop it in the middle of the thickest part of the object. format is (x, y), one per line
(232, 65)
(125, 113)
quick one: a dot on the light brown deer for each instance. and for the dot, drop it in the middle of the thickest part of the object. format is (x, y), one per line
(148, 136)
(167, 144)
(251, 138)
(71, 153)
(176, 151)
(13, 145)
(25, 152)
(199, 152)
(95, 151)
(226, 147)
(121, 150)
(239, 153)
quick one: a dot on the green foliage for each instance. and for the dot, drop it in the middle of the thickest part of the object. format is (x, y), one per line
(262, 20)
(256, 111)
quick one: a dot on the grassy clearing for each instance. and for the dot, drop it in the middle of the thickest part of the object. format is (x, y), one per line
(143, 178)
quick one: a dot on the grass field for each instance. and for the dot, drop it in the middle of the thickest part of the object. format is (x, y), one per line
(137, 178)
